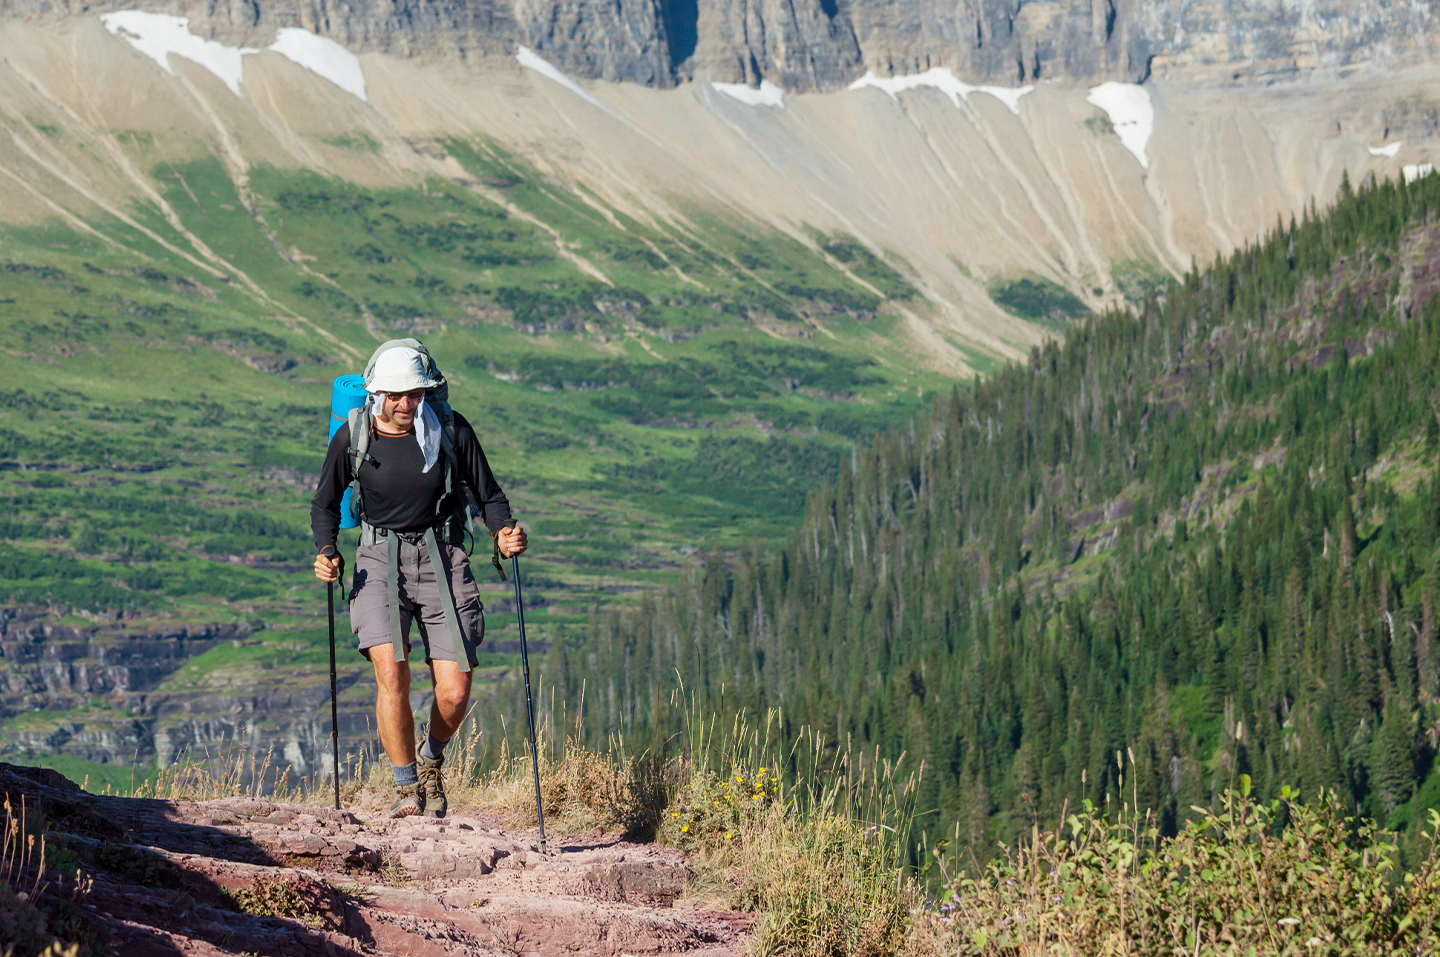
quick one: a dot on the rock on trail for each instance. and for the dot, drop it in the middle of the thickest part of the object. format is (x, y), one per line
(176, 877)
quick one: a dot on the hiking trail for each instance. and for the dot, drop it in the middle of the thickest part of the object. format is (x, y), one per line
(178, 877)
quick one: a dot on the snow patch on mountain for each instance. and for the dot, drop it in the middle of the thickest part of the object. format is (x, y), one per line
(768, 93)
(1131, 113)
(531, 60)
(1415, 171)
(943, 79)
(157, 35)
(323, 57)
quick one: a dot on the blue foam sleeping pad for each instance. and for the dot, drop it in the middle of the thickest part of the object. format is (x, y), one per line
(348, 393)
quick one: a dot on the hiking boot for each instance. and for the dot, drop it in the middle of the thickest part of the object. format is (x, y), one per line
(408, 800)
(432, 786)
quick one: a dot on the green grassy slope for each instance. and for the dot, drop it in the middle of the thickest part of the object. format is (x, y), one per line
(644, 390)
(696, 391)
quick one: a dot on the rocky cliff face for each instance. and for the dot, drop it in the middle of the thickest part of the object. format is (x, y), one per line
(43, 657)
(826, 44)
(96, 693)
(106, 694)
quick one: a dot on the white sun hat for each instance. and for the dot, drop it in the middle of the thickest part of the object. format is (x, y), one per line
(400, 370)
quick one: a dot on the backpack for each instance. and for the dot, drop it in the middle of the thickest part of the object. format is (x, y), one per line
(454, 513)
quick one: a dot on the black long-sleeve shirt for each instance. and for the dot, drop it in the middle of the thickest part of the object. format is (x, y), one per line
(396, 493)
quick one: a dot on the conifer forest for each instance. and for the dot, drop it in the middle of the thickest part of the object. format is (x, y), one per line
(1184, 543)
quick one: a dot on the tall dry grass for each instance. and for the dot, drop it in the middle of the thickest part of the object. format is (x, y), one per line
(26, 874)
(808, 836)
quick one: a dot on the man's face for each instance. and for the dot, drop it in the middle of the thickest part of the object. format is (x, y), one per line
(400, 407)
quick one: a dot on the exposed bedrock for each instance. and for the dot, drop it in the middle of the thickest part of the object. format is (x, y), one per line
(825, 44)
(98, 693)
(163, 877)
(44, 658)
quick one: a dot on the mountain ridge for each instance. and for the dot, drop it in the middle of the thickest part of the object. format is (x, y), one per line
(961, 191)
(810, 45)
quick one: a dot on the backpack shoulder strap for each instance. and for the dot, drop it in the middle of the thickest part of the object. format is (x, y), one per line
(447, 443)
(447, 426)
(359, 452)
(465, 506)
(359, 422)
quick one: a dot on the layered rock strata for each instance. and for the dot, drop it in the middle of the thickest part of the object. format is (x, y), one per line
(100, 693)
(805, 45)
(95, 692)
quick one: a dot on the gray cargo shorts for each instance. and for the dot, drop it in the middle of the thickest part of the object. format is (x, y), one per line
(420, 600)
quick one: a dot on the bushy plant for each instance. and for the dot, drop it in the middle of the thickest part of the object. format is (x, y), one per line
(1282, 878)
(582, 788)
(293, 897)
(709, 810)
(22, 924)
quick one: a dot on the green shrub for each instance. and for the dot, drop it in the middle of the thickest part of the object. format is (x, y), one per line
(711, 811)
(22, 924)
(275, 898)
(1038, 299)
(1277, 878)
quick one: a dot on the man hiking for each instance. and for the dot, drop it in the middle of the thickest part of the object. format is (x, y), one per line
(409, 461)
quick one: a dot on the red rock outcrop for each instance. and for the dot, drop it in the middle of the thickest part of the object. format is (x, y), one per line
(146, 878)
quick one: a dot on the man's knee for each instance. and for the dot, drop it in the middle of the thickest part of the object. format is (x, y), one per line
(452, 687)
(453, 697)
(391, 677)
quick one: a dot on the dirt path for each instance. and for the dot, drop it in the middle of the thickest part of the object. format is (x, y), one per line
(173, 877)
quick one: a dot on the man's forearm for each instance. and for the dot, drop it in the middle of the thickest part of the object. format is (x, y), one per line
(334, 480)
(324, 525)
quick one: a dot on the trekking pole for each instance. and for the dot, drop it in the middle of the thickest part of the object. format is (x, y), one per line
(330, 552)
(529, 705)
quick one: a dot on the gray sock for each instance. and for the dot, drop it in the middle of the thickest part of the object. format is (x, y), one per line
(433, 748)
(406, 775)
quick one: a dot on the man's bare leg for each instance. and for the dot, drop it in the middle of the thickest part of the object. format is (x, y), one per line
(392, 705)
(452, 696)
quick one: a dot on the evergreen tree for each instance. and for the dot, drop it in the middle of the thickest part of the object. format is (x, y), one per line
(1392, 761)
